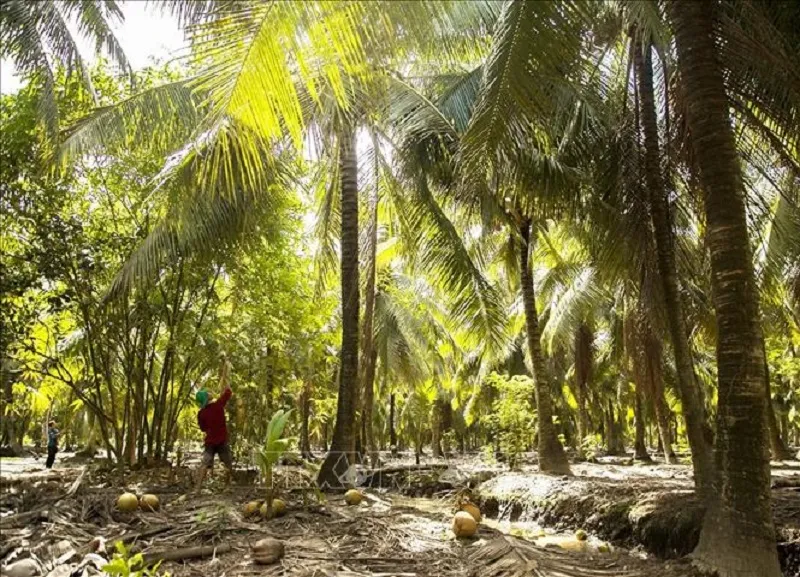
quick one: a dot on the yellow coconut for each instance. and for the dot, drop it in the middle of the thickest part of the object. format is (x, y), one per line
(267, 551)
(464, 524)
(353, 497)
(251, 508)
(581, 535)
(473, 510)
(127, 502)
(149, 502)
(280, 507)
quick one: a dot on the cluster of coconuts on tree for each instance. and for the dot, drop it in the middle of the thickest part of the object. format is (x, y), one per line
(128, 502)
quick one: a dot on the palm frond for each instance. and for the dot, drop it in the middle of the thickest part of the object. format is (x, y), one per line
(536, 49)
(327, 224)
(37, 38)
(94, 21)
(160, 120)
(442, 254)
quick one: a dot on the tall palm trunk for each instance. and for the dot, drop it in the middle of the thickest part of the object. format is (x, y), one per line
(615, 443)
(341, 455)
(738, 536)
(392, 431)
(552, 457)
(369, 354)
(583, 372)
(655, 385)
(639, 446)
(633, 354)
(688, 387)
(305, 417)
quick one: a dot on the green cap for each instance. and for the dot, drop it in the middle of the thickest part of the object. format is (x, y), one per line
(202, 398)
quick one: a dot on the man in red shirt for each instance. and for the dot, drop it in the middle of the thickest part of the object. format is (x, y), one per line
(211, 419)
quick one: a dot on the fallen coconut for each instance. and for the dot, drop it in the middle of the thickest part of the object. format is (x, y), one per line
(464, 524)
(250, 509)
(269, 514)
(353, 497)
(267, 551)
(473, 510)
(581, 535)
(149, 502)
(280, 507)
(127, 502)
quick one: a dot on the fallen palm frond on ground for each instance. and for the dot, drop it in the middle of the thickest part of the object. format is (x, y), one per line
(507, 556)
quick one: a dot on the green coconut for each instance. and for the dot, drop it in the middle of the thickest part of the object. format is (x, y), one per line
(149, 502)
(127, 502)
(279, 506)
(353, 497)
(251, 508)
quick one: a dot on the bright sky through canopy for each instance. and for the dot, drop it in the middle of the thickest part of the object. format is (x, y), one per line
(144, 35)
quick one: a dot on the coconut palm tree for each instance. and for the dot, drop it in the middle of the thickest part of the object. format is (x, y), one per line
(738, 535)
(258, 97)
(691, 394)
(36, 37)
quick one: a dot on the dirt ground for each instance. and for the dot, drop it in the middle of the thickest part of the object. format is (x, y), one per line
(401, 529)
(645, 507)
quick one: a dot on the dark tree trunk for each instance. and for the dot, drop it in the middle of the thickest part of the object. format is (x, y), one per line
(552, 458)
(639, 446)
(268, 384)
(436, 431)
(636, 350)
(583, 373)
(392, 431)
(655, 385)
(688, 387)
(7, 422)
(332, 474)
(369, 356)
(614, 443)
(305, 416)
(738, 535)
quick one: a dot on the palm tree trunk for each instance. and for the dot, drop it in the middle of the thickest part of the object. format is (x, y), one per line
(392, 431)
(552, 458)
(341, 454)
(369, 355)
(688, 387)
(652, 353)
(639, 447)
(305, 416)
(738, 535)
(436, 430)
(369, 405)
(583, 372)
(614, 442)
